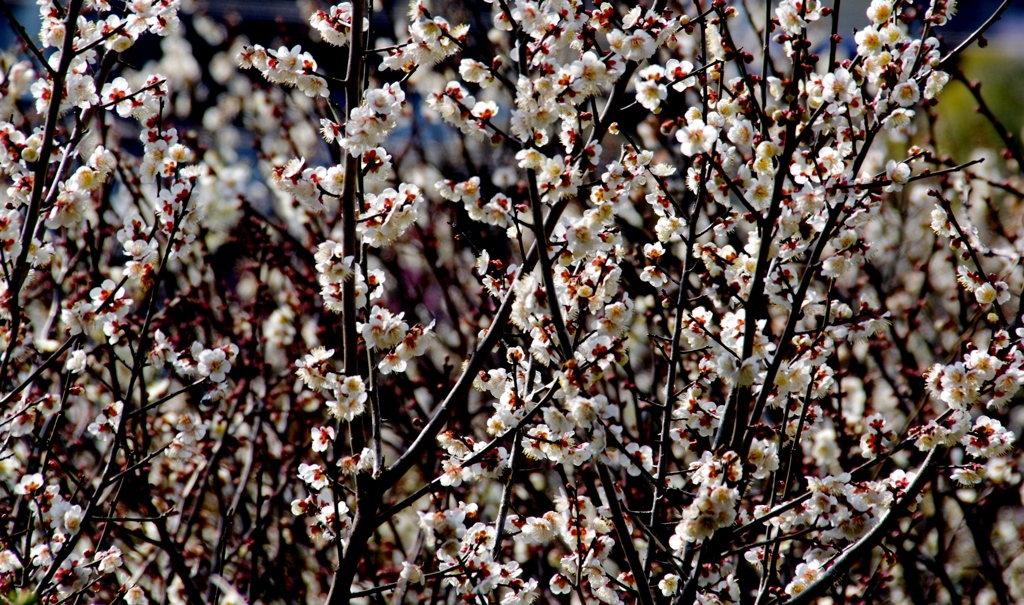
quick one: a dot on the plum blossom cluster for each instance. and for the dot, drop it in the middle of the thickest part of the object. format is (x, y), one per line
(715, 504)
(317, 372)
(335, 24)
(389, 214)
(286, 66)
(213, 364)
(392, 337)
(327, 519)
(431, 39)
(368, 123)
(498, 210)
(570, 303)
(466, 556)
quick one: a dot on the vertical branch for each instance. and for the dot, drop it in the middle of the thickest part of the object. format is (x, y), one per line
(765, 59)
(664, 447)
(539, 233)
(366, 497)
(349, 208)
(834, 38)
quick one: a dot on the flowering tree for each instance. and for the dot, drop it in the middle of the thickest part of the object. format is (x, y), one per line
(675, 302)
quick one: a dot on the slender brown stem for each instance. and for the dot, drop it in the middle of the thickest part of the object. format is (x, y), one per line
(367, 493)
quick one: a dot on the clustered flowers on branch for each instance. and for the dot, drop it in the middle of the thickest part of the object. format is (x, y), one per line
(568, 303)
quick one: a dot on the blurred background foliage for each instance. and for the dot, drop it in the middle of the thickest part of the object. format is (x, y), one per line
(960, 127)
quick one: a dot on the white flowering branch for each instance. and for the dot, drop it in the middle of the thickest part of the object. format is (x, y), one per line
(42, 167)
(840, 565)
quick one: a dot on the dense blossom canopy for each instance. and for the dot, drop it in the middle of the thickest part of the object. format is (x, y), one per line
(504, 303)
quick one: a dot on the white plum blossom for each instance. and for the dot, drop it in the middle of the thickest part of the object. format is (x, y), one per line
(349, 398)
(9, 561)
(806, 573)
(697, 137)
(384, 330)
(108, 560)
(323, 437)
(313, 475)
